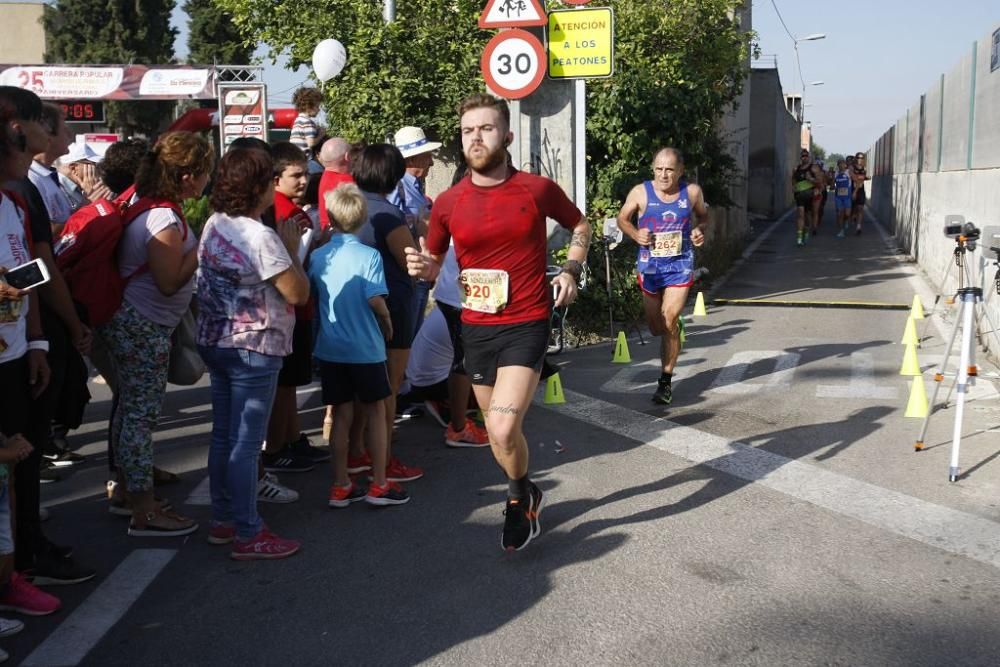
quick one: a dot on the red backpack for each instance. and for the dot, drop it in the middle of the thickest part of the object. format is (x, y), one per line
(86, 252)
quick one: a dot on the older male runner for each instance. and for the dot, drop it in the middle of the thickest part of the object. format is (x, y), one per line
(666, 239)
(496, 216)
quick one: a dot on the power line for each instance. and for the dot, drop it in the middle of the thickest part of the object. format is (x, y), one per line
(782, 20)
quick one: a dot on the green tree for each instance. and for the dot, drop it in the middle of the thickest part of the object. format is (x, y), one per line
(213, 38)
(819, 153)
(100, 32)
(411, 72)
(834, 158)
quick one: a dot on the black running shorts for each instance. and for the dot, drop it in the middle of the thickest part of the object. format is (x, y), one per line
(804, 198)
(860, 196)
(488, 347)
(296, 368)
(342, 383)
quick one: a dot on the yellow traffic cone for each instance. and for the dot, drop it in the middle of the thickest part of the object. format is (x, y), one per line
(622, 355)
(699, 306)
(917, 309)
(911, 366)
(554, 391)
(917, 405)
(910, 333)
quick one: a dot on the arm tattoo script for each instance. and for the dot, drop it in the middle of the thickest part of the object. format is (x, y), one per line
(580, 240)
(504, 409)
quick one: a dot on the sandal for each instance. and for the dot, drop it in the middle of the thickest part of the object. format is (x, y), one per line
(161, 477)
(163, 523)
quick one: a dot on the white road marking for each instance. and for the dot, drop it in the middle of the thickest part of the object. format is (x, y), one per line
(69, 644)
(862, 383)
(625, 381)
(937, 526)
(730, 379)
(200, 495)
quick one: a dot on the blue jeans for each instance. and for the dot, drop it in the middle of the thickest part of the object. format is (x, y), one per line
(243, 385)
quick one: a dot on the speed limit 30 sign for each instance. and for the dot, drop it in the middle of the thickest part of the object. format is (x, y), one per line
(513, 63)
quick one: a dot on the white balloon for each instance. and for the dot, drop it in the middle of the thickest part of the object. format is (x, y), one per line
(329, 58)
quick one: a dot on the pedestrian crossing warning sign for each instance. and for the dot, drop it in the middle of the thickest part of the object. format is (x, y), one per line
(581, 43)
(512, 14)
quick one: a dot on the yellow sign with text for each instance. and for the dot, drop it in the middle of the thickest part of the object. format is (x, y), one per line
(581, 43)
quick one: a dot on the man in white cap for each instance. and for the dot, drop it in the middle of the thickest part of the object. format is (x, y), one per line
(79, 177)
(409, 195)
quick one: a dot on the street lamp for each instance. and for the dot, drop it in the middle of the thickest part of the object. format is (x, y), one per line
(795, 42)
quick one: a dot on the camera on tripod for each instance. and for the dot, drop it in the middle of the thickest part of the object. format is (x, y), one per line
(956, 227)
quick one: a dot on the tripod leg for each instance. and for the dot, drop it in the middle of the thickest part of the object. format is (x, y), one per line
(993, 330)
(607, 278)
(938, 379)
(968, 315)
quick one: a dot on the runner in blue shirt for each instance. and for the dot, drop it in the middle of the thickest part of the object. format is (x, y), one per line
(666, 237)
(842, 190)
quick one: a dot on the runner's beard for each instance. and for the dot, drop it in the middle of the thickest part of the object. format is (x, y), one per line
(483, 163)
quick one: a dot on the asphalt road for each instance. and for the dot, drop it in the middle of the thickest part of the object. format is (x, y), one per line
(775, 514)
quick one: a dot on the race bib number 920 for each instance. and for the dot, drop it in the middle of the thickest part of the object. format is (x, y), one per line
(484, 290)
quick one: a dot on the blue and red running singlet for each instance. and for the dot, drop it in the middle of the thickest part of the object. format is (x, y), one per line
(669, 260)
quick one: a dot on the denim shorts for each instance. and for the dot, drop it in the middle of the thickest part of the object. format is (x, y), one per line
(6, 530)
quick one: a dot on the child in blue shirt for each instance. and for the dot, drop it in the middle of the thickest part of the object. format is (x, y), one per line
(349, 283)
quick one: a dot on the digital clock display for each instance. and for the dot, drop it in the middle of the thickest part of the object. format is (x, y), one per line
(83, 111)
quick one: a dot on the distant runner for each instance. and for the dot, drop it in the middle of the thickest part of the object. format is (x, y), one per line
(802, 184)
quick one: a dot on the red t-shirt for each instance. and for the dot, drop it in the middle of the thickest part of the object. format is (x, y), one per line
(285, 208)
(329, 181)
(503, 227)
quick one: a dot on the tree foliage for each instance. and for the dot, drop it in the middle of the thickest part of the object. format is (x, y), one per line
(413, 71)
(99, 32)
(213, 38)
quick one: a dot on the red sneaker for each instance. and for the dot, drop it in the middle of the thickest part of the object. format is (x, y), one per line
(472, 435)
(390, 494)
(342, 496)
(220, 533)
(265, 545)
(24, 598)
(356, 464)
(397, 472)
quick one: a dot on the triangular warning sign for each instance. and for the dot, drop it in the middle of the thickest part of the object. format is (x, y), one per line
(512, 14)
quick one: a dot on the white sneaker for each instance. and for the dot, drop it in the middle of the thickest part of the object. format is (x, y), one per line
(270, 491)
(10, 626)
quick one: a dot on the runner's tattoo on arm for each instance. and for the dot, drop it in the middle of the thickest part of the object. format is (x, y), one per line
(504, 409)
(580, 240)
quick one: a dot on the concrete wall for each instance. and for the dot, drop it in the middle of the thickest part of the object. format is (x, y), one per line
(730, 226)
(24, 40)
(942, 157)
(774, 145)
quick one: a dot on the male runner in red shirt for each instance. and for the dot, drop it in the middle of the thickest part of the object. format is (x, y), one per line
(496, 216)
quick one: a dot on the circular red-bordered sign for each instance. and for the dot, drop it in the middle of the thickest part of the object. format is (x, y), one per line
(576, 2)
(513, 63)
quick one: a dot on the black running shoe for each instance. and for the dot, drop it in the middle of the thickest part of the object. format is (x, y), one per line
(284, 461)
(54, 571)
(664, 393)
(302, 447)
(521, 520)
